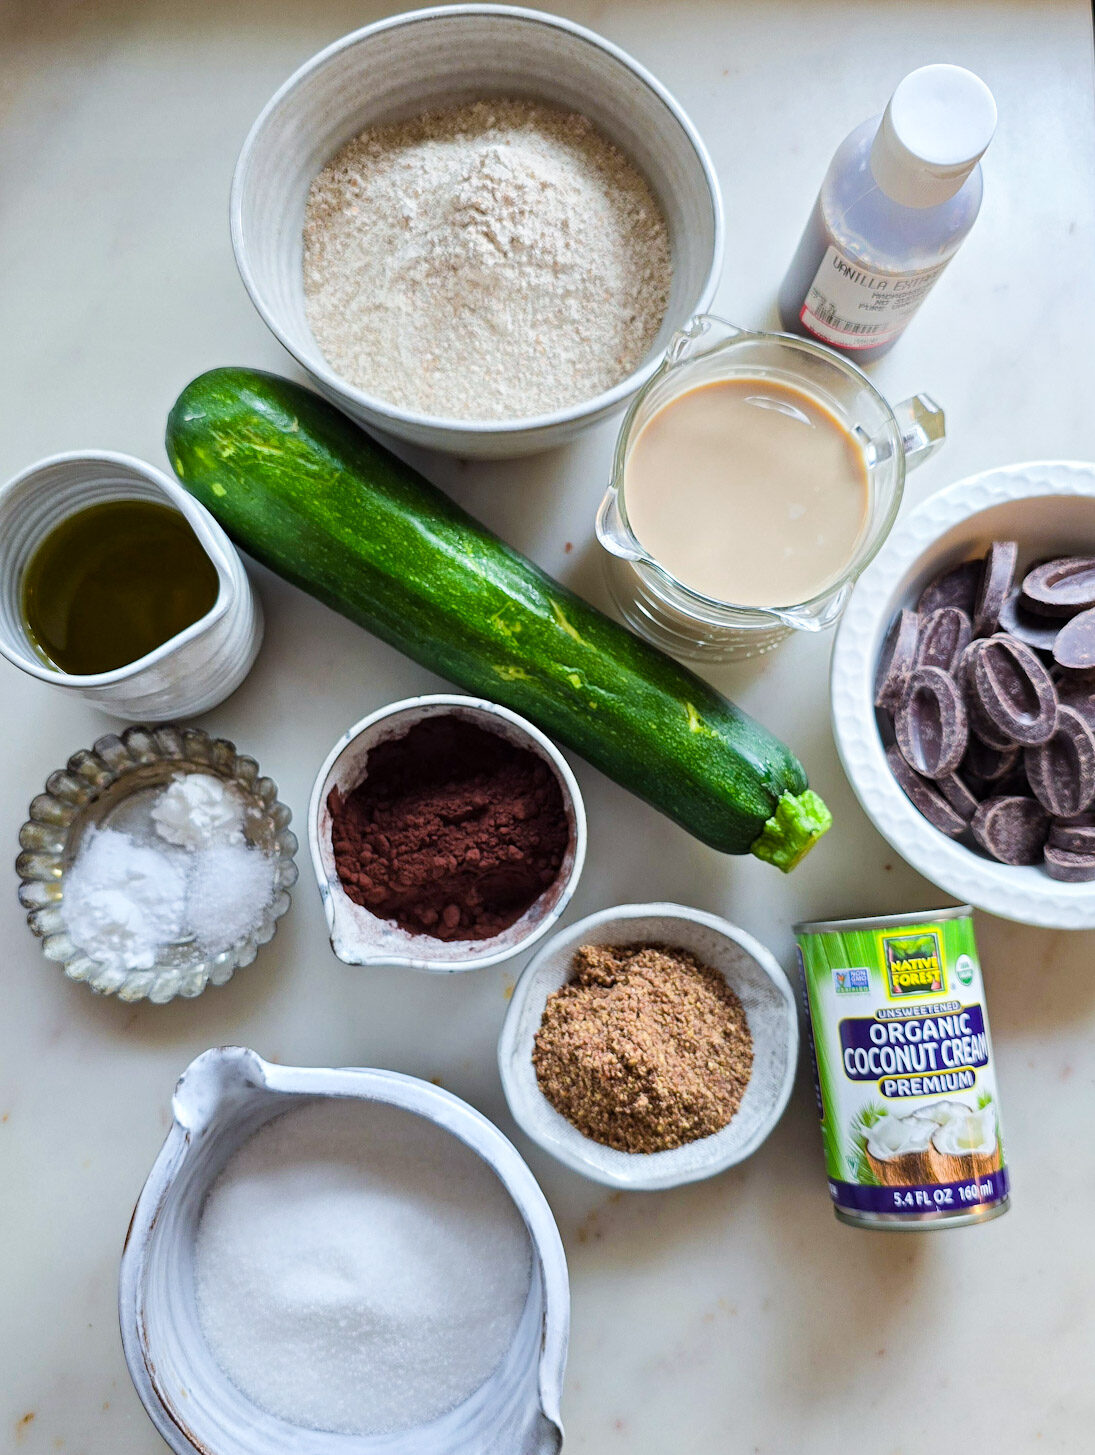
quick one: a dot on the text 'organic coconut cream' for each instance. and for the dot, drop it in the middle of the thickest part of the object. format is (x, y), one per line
(903, 1067)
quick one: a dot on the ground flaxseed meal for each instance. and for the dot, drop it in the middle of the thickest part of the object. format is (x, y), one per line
(644, 1049)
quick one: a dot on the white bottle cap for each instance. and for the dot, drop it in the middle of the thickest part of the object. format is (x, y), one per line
(934, 132)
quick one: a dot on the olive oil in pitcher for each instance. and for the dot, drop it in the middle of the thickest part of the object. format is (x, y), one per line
(112, 583)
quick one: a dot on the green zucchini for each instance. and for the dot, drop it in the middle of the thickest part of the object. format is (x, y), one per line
(304, 491)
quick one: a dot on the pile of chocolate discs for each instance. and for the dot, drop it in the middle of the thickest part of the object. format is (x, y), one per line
(986, 699)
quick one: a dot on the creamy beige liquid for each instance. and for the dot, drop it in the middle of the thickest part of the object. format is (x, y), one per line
(748, 491)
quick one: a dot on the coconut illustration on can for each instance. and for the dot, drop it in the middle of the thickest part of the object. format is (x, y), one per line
(897, 1150)
(966, 1146)
(903, 1068)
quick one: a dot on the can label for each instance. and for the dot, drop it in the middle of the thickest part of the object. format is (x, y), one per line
(903, 1067)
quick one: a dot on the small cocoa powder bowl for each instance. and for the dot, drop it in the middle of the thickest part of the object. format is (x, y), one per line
(359, 937)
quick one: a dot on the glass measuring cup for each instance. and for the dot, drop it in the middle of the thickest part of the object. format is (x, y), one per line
(893, 439)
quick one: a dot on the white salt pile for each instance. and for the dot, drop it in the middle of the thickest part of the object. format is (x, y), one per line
(358, 1270)
(229, 889)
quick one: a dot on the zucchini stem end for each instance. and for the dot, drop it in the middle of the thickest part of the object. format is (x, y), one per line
(799, 821)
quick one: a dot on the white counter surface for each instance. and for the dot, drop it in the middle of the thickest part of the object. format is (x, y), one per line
(735, 1316)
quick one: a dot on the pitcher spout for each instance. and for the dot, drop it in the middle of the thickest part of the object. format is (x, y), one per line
(612, 530)
(222, 1075)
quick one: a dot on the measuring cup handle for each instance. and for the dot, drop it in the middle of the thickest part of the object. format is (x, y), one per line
(923, 428)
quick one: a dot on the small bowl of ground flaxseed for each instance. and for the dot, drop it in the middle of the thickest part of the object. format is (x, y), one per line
(650, 1045)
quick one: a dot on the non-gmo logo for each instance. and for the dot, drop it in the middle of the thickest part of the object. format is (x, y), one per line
(853, 981)
(913, 965)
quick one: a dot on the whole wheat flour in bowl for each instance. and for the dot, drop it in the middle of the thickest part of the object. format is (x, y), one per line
(492, 261)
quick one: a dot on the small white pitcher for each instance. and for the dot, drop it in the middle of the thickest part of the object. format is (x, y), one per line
(359, 937)
(186, 675)
(222, 1099)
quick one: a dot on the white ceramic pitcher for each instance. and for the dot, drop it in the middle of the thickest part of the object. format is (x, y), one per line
(193, 670)
(222, 1099)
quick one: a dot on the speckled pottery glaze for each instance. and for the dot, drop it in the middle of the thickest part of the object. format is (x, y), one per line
(192, 671)
(1048, 507)
(360, 938)
(221, 1100)
(440, 57)
(750, 970)
(107, 784)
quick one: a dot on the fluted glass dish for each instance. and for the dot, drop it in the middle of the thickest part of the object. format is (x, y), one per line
(113, 784)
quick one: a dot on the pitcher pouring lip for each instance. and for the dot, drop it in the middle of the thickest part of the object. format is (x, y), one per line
(190, 672)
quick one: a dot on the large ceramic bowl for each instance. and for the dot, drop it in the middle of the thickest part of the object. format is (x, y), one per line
(441, 56)
(750, 970)
(361, 938)
(222, 1099)
(1049, 508)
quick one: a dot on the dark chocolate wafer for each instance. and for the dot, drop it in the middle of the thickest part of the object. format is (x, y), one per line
(958, 794)
(1068, 867)
(994, 587)
(1014, 691)
(944, 636)
(930, 725)
(924, 796)
(897, 659)
(1074, 644)
(956, 586)
(1077, 834)
(1013, 830)
(1061, 587)
(1061, 771)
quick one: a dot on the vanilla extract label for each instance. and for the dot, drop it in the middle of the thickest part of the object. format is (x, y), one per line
(854, 308)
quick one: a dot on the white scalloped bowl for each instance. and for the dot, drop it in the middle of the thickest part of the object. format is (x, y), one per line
(112, 784)
(1049, 508)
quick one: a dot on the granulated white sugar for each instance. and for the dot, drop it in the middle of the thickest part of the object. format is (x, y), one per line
(494, 260)
(358, 1270)
(228, 891)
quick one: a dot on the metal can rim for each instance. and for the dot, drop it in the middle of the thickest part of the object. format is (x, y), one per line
(906, 1223)
(880, 921)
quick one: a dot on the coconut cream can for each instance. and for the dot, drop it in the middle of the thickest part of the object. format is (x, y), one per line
(903, 1067)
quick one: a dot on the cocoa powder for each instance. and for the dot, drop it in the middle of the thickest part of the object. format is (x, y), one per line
(454, 832)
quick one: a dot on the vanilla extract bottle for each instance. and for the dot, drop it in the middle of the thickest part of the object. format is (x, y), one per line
(900, 195)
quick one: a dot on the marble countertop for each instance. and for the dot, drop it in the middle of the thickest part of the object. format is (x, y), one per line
(736, 1315)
